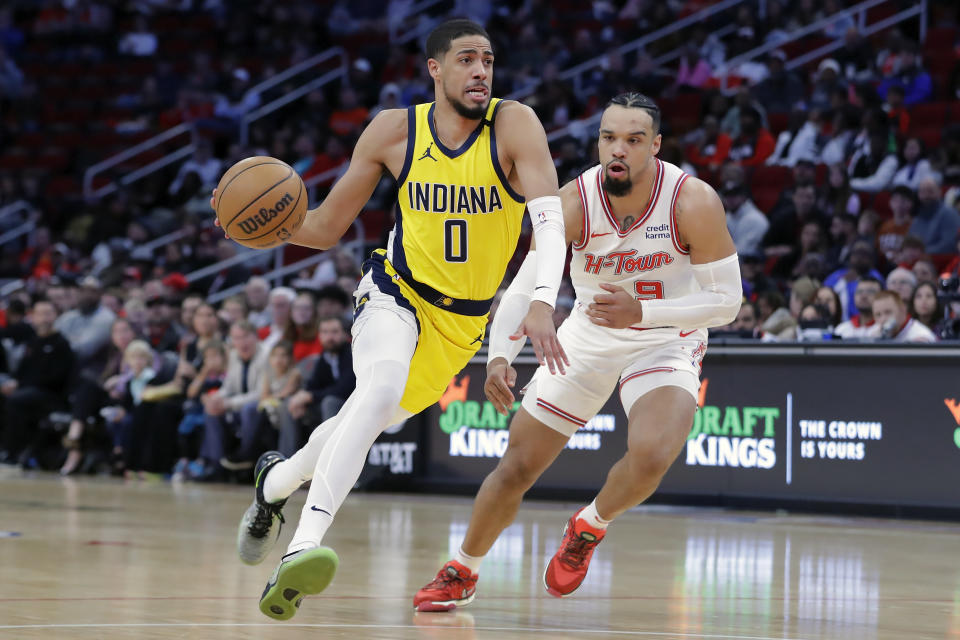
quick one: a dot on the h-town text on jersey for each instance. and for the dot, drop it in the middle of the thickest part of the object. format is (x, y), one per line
(626, 261)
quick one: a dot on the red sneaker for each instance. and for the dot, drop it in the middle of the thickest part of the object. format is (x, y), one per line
(453, 587)
(568, 566)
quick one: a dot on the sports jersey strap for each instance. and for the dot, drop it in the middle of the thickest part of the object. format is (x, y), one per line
(430, 295)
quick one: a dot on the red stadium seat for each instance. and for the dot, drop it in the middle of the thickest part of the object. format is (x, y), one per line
(929, 115)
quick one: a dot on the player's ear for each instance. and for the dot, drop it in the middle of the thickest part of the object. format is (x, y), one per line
(655, 147)
(433, 66)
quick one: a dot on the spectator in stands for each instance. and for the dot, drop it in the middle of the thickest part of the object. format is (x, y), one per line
(708, 147)
(855, 57)
(873, 166)
(902, 282)
(281, 379)
(897, 115)
(860, 264)
(892, 322)
(867, 225)
(161, 332)
(280, 302)
(730, 122)
(909, 74)
(754, 144)
(348, 118)
(911, 250)
(827, 82)
(914, 166)
(232, 310)
(804, 173)
(328, 387)
(188, 307)
(861, 324)
(87, 327)
(785, 225)
(236, 401)
(303, 330)
(746, 324)
(204, 330)
(800, 141)
(746, 222)
(829, 300)
(836, 198)
(38, 386)
(925, 270)
(150, 418)
(203, 164)
(257, 296)
(140, 42)
(839, 148)
(238, 101)
(935, 223)
(694, 71)
(776, 321)
(11, 36)
(755, 280)
(927, 308)
(332, 300)
(806, 256)
(231, 276)
(803, 291)
(209, 379)
(892, 232)
(782, 89)
(813, 324)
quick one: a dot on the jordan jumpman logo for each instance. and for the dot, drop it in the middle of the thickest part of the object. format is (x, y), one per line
(427, 154)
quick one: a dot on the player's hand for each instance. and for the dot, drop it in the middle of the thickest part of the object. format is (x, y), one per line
(617, 309)
(538, 324)
(500, 379)
(213, 205)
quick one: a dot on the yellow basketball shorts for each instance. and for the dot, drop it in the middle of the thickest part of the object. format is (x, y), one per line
(446, 340)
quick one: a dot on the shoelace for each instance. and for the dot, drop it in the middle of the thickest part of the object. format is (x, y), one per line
(575, 551)
(262, 521)
(445, 577)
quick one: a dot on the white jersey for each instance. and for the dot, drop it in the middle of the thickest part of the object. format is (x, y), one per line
(647, 259)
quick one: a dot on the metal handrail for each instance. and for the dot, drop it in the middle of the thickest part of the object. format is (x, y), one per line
(565, 130)
(243, 255)
(396, 37)
(18, 205)
(906, 14)
(126, 154)
(10, 287)
(340, 72)
(575, 72)
(723, 71)
(188, 127)
(18, 231)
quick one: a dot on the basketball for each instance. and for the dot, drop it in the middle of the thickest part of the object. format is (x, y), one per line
(261, 202)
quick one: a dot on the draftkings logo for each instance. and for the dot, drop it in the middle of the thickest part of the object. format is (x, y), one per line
(477, 430)
(732, 436)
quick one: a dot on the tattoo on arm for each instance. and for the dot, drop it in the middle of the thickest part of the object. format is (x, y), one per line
(629, 220)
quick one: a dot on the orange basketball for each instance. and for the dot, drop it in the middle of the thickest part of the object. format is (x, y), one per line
(261, 202)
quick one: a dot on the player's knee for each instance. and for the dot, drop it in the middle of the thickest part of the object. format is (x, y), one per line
(649, 461)
(517, 472)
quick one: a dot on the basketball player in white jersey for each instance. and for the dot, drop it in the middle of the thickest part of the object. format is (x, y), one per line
(653, 267)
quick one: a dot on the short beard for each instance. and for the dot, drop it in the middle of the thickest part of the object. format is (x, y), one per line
(470, 113)
(617, 188)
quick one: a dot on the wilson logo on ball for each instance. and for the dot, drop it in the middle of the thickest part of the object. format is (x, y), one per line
(261, 218)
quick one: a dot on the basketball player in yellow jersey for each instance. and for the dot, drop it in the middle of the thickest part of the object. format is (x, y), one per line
(466, 167)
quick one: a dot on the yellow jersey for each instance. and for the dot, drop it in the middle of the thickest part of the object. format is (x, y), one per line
(456, 230)
(458, 219)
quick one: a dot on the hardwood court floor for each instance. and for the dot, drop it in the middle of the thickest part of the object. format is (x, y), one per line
(99, 558)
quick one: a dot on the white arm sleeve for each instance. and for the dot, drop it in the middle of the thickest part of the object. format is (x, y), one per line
(547, 218)
(511, 312)
(715, 305)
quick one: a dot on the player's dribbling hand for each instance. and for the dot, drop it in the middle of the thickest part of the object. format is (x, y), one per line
(538, 324)
(617, 309)
(213, 205)
(500, 379)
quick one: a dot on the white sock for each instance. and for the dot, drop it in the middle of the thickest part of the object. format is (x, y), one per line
(592, 518)
(470, 562)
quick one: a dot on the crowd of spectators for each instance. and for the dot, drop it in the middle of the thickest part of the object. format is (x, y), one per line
(842, 205)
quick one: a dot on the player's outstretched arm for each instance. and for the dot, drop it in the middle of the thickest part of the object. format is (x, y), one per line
(702, 225)
(325, 224)
(507, 331)
(526, 145)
